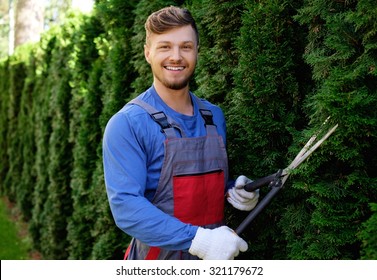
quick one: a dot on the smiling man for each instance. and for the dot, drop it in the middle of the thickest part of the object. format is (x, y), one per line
(165, 162)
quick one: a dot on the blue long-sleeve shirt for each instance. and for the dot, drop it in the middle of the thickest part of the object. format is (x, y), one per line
(133, 153)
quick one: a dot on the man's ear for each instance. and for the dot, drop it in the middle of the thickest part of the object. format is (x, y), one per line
(146, 53)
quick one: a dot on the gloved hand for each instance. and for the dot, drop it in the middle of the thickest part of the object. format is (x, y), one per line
(241, 199)
(221, 243)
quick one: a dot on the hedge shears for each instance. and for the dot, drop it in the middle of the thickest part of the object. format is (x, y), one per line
(276, 180)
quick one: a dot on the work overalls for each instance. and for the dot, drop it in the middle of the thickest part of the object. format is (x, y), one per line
(192, 182)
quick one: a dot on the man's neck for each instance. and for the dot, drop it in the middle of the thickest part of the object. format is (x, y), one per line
(178, 100)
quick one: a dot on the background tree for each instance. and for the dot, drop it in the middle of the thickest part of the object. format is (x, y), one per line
(42, 131)
(264, 114)
(4, 121)
(27, 149)
(218, 23)
(85, 134)
(339, 182)
(4, 27)
(28, 21)
(117, 18)
(17, 76)
(58, 206)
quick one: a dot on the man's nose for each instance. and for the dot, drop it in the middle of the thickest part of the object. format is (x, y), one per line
(175, 54)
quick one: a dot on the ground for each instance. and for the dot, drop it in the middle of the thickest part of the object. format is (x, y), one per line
(15, 242)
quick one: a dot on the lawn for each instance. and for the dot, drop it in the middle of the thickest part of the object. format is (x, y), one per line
(12, 245)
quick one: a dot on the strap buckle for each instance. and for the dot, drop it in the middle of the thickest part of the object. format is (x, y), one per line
(207, 116)
(161, 119)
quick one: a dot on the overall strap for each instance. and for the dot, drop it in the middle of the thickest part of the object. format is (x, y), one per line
(208, 118)
(166, 123)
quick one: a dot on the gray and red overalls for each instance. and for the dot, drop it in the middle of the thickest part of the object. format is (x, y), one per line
(192, 182)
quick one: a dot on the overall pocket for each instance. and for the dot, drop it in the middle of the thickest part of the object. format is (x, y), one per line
(199, 198)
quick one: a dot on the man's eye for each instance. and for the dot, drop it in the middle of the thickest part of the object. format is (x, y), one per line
(163, 47)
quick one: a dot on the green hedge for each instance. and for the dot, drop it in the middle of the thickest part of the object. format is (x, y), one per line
(278, 69)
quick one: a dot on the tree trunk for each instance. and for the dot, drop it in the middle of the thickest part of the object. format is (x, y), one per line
(29, 21)
(11, 28)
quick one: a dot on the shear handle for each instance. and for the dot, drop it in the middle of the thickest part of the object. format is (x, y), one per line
(275, 188)
(262, 181)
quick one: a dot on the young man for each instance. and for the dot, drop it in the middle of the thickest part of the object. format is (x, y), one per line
(164, 156)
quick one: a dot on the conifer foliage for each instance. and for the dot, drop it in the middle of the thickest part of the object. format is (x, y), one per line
(265, 112)
(218, 23)
(342, 53)
(85, 134)
(277, 68)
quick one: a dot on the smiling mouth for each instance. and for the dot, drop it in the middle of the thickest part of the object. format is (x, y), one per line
(174, 68)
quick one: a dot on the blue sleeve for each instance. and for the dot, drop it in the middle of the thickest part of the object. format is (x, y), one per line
(125, 171)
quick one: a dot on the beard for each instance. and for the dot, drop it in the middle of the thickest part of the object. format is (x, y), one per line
(175, 85)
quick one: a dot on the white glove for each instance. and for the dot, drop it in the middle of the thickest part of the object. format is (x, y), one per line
(221, 243)
(241, 199)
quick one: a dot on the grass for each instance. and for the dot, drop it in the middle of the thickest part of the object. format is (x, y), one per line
(13, 246)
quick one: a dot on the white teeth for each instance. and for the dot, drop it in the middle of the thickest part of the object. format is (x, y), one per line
(174, 68)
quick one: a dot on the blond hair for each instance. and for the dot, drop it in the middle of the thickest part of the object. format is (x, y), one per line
(168, 18)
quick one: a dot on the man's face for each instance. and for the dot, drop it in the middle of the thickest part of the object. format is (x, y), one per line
(172, 56)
